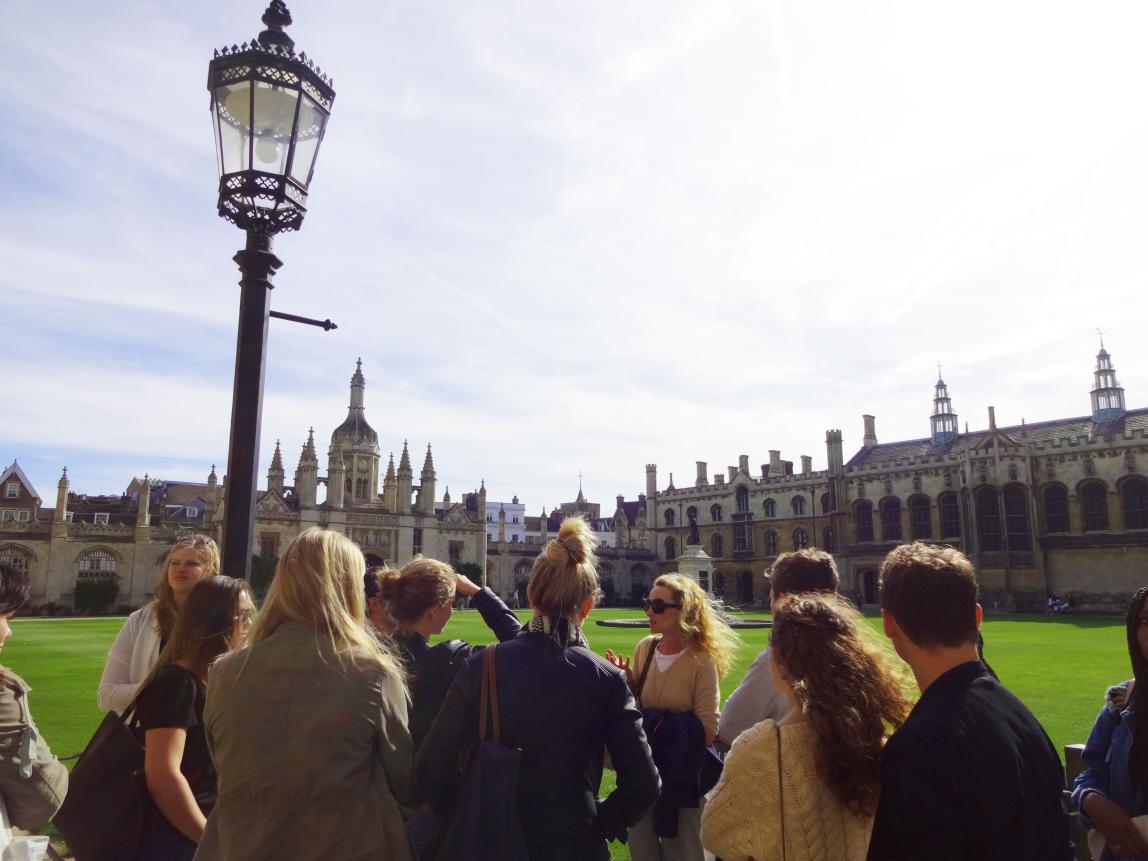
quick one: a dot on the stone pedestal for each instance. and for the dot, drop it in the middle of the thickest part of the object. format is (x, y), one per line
(696, 564)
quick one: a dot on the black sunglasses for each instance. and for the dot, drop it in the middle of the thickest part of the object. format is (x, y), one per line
(658, 605)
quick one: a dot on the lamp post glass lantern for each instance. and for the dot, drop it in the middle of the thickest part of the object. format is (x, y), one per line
(270, 108)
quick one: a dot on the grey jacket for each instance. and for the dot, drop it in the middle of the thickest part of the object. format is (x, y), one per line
(313, 756)
(32, 781)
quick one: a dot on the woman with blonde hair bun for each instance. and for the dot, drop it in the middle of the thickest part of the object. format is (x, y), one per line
(308, 724)
(564, 707)
(805, 788)
(419, 597)
(674, 676)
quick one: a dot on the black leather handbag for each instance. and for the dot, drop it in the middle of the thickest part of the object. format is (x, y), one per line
(485, 825)
(106, 810)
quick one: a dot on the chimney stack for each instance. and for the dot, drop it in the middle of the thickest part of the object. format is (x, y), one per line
(806, 464)
(702, 478)
(870, 438)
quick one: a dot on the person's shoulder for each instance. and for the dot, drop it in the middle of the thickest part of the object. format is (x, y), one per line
(592, 660)
(1118, 697)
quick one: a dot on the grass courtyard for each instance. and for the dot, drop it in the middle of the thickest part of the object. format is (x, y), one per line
(1058, 666)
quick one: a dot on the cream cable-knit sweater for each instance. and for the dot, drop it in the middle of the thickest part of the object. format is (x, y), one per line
(741, 818)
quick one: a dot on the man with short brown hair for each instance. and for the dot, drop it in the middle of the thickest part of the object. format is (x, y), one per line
(970, 774)
(757, 698)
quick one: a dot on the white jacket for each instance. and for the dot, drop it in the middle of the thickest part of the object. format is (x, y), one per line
(130, 659)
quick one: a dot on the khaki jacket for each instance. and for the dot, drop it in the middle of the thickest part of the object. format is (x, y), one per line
(313, 755)
(33, 799)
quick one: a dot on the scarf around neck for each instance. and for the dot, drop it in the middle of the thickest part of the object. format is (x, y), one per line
(560, 630)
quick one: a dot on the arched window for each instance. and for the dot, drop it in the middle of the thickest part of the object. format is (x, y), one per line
(15, 557)
(798, 503)
(97, 565)
(742, 498)
(825, 503)
(771, 543)
(827, 540)
(716, 546)
(863, 516)
(671, 548)
(1094, 503)
(800, 539)
(1016, 518)
(668, 515)
(715, 513)
(919, 523)
(770, 508)
(1134, 494)
(988, 518)
(891, 519)
(950, 515)
(1056, 509)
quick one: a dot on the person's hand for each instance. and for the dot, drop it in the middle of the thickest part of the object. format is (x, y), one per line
(622, 662)
(464, 585)
(1122, 835)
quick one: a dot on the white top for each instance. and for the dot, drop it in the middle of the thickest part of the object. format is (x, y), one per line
(130, 659)
(665, 661)
(743, 817)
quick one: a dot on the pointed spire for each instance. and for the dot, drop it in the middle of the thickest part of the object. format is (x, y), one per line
(309, 454)
(277, 458)
(64, 478)
(390, 476)
(405, 462)
(428, 465)
(212, 478)
(446, 498)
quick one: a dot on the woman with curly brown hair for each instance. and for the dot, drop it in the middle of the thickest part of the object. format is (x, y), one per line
(805, 788)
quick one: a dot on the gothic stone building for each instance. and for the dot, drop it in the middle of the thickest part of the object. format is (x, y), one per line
(1057, 506)
(129, 535)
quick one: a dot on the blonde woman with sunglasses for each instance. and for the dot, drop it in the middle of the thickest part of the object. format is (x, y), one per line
(675, 673)
(139, 642)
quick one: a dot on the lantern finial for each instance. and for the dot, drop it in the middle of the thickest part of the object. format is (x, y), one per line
(276, 18)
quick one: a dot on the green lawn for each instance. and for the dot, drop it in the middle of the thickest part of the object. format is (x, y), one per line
(1059, 667)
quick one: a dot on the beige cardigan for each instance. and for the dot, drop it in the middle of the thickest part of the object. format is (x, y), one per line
(689, 685)
(313, 757)
(741, 818)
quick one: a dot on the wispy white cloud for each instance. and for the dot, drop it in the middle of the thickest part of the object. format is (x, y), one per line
(577, 238)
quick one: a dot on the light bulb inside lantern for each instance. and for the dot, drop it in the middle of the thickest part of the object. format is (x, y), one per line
(267, 151)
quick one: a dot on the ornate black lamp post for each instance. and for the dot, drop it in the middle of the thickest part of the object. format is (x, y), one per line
(270, 107)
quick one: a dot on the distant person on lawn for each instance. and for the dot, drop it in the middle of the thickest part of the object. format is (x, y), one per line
(970, 775)
(145, 633)
(757, 697)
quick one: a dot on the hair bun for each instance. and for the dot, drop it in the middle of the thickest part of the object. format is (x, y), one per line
(390, 584)
(575, 539)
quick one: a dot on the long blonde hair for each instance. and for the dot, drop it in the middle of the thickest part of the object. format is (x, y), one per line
(565, 575)
(319, 583)
(701, 625)
(166, 612)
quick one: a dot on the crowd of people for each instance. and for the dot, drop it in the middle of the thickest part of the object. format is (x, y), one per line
(332, 724)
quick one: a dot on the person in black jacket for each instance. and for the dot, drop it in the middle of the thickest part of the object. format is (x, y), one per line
(970, 775)
(419, 599)
(564, 707)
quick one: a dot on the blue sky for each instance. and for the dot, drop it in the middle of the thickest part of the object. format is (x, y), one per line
(577, 237)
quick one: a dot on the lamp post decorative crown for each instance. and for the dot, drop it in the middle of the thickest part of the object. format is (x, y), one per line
(270, 107)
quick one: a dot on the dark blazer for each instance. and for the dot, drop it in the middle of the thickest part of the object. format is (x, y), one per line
(564, 708)
(431, 669)
(970, 776)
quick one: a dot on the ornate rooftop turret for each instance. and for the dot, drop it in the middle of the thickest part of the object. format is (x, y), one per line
(355, 429)
(943, 422)
(1107, 394)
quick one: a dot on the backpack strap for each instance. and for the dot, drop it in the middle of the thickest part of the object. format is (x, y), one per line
(646, 670)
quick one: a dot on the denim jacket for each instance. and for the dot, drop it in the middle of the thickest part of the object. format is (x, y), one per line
(1106, 756)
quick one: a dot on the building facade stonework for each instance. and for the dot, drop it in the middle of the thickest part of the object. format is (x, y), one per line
(129, 536)
(1054, 507)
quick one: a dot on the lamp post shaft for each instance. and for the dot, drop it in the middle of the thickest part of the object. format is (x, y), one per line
(257, 265)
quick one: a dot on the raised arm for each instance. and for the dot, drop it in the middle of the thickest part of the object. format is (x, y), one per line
(497, 616)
